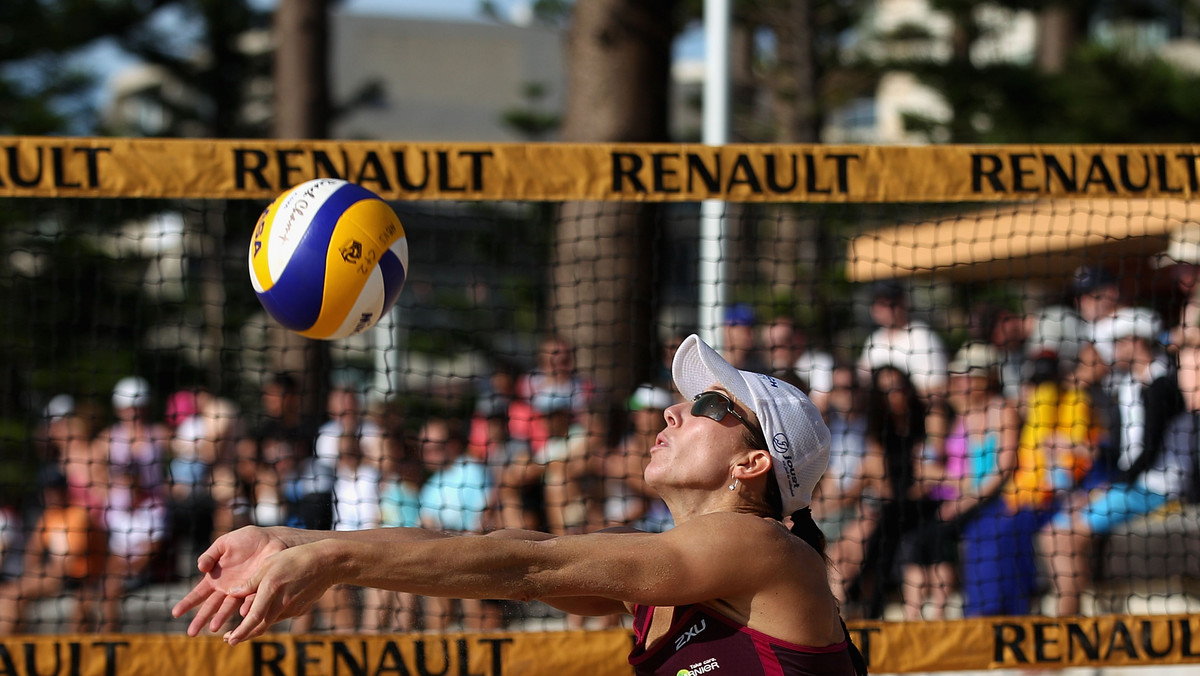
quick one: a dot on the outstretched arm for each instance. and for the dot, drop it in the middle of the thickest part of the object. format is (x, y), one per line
(231, 561)
(703, 559)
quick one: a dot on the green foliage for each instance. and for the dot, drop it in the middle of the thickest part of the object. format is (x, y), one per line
(533, 121)
(217, 86)
(1107, 93)
(43, 87)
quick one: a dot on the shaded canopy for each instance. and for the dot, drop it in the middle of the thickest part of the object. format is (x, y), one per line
(1043, 239)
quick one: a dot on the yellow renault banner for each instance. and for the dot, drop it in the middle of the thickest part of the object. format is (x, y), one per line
(1019, 643)
(256, 169)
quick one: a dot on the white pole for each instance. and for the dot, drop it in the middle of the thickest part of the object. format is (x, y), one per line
(385, 337)
(715, 133)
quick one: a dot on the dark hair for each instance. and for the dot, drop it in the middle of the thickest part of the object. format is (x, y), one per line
(287, 382)
(880, 420)
(803, 525)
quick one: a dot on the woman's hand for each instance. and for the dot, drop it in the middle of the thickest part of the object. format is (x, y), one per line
(228, 565)
(287, 584)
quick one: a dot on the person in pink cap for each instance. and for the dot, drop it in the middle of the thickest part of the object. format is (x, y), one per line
(736, 464)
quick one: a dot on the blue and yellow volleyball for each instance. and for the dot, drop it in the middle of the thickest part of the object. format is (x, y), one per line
(328, 258)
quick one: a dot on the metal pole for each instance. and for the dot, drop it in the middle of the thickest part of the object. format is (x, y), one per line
(715, 133)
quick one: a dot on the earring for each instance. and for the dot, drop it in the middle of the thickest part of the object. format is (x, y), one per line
(733, 486)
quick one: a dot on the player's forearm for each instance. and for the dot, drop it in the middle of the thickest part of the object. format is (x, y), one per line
(460, 567)
(294, 537)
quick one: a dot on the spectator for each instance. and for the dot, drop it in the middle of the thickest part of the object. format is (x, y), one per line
(1179, 462)
(1148, 397)
(190, 502)
(1004, 330)
(1058, 330)
(136, 520)
(499, 452)
(628, 500)
(71, 446)
(355, 507)
(784, 342)
(567, 440)
(250, 490)
(862, 560)
(556, 376)
(454, 499)
(538, 488)
(12, 536)
(670, 342)
(181, 405)
(998, 566)
(346, 419)
(498, 394)
(903, 343)
(58, 408)
(739, 343)
(842, 488)
(1097, 297)
(1062, 431)
(399, 507)
(793, 358)
(135, 443)
(64, 554)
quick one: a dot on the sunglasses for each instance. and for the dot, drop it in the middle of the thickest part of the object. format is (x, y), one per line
(714, 405)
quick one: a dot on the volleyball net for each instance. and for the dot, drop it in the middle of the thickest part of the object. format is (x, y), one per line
(1003, 339)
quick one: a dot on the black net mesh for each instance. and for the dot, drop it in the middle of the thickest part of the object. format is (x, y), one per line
(1012, 435)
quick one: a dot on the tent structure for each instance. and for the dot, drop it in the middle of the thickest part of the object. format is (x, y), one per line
(1029, 240)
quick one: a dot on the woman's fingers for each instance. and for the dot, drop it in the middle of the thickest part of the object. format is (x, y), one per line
(261, 615)
(206, 561)
(210, 606)
(195, 597)
(246, 603)
(228, 607)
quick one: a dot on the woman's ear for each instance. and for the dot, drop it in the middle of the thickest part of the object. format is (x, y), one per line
(756, 463)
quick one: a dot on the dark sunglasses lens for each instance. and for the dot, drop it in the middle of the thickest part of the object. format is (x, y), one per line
(711, 405)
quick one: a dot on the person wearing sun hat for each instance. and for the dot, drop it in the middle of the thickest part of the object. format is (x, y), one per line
(730, 587)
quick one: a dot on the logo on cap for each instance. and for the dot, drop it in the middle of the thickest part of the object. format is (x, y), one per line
(784, 448)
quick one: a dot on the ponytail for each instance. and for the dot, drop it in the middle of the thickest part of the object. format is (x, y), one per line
(803, 525)
(805, 528)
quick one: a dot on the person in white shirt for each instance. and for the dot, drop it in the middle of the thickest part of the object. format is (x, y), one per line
(905, 343)
(346, 419)
(1147, 473)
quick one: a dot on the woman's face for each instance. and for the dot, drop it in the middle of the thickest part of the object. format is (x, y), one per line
(963, 385)
(892, 385)
(696, 451)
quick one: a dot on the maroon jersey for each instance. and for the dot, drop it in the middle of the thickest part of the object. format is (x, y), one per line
(702, 641)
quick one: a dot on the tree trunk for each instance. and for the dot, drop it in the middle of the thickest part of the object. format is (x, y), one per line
(302, 108)
(1056, 37)
(790, 247)
(619, 57)
(301, 76)
(795, 82)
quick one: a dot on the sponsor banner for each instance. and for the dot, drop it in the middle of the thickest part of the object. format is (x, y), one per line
(1018, 643)
(261, 169)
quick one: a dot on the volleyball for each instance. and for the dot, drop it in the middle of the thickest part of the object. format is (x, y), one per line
(328, 258)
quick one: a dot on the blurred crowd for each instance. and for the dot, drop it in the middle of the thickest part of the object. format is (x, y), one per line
(986, 473)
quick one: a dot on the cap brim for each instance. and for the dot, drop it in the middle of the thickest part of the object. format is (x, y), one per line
(697, 367)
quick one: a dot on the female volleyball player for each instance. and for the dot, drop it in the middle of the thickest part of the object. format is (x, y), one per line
(729, 586)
